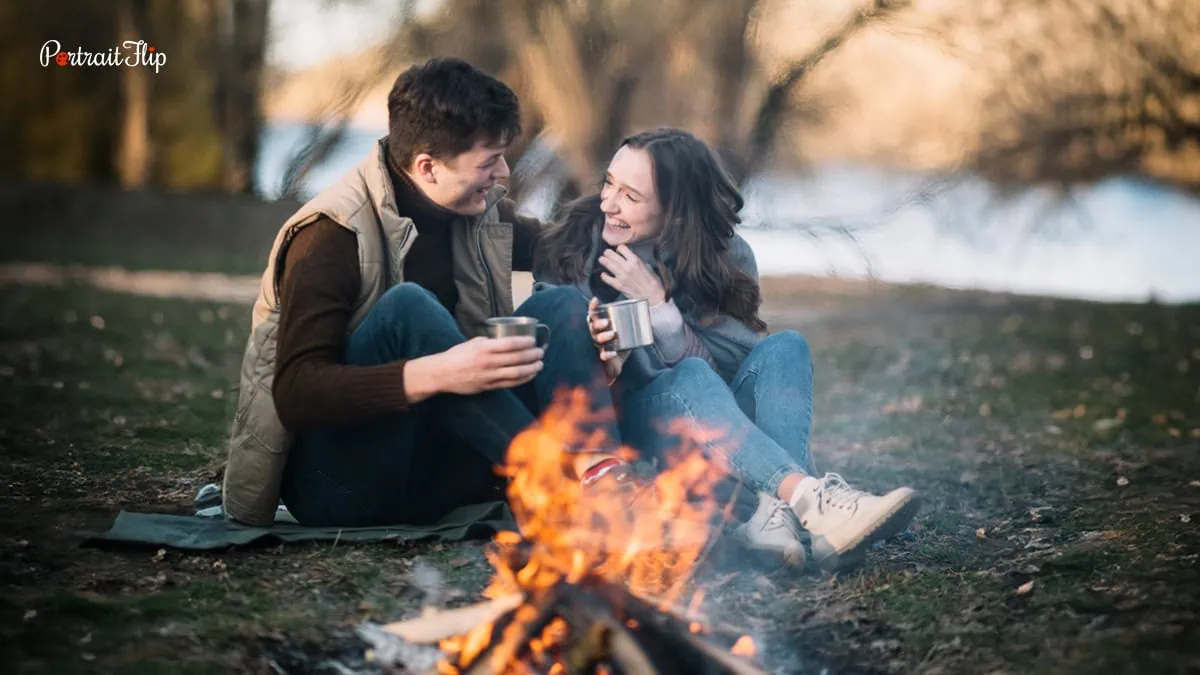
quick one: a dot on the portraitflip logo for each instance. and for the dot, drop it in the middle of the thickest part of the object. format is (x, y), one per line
(131, 53)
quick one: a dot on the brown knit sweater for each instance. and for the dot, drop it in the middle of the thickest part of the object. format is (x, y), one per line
(314, 387)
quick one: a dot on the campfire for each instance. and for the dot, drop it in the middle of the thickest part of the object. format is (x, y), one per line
(597, 579)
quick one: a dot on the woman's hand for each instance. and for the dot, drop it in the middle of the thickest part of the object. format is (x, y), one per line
(629, 275)
(602, 334)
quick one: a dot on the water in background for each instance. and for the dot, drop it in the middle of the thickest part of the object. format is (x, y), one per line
(1123, 239)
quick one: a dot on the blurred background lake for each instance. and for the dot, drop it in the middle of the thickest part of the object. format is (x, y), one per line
(1125, 239)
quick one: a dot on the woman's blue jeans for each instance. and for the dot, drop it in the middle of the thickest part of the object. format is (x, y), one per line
(763, 416)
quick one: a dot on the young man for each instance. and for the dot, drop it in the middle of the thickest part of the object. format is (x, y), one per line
(368, 394)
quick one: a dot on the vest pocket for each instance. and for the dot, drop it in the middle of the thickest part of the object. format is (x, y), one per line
(256, 459)
(264, 425)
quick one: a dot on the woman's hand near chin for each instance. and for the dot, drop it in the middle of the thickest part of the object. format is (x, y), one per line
(628, 274)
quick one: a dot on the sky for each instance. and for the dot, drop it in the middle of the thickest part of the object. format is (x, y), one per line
(306, 32)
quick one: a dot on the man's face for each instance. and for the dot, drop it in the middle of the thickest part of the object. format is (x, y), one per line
(460, 183)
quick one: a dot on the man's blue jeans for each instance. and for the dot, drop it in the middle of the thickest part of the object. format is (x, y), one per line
(415, 466)
(763, 416)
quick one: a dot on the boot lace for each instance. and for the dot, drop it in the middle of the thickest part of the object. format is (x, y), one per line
(780, 515)
(836, 493)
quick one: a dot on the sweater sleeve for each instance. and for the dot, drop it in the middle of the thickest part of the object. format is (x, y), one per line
(313, 386)
(673, 337)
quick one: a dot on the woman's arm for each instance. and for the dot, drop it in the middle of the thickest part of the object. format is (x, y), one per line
(673, 337)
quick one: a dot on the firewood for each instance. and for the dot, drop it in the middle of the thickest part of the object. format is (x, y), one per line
(661, 631)
(546, 602)
(599, 636)
(443, 624)
(732, 664)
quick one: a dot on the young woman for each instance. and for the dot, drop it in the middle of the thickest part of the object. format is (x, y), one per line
(662, 229)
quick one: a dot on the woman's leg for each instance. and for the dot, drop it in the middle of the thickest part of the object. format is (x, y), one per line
(571, 359)
(572, 362)
(843, 521)
(693, 392)
(774, 387)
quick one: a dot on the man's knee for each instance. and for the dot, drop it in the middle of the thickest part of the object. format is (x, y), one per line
(407, 300)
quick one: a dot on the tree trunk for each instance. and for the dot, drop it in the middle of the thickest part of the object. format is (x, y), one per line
(244, 36)
(776, 104)
(133, 152)
(732, 63)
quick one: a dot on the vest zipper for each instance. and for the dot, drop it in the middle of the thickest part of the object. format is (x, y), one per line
(491, 282)
(388, 262)
(491, 286)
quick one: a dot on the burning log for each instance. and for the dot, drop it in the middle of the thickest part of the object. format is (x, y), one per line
(637, 638)
(602, 628)
(570, 588)
(435, 627)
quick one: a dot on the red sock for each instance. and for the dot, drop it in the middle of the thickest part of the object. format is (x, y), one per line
(598, 469)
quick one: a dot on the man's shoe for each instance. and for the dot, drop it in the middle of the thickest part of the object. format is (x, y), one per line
(772, 534)
(843, 522)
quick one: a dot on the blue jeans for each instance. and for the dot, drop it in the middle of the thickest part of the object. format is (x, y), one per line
(417, 465)
(764, 414)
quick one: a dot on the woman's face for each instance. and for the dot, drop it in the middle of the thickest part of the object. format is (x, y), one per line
(632, 212)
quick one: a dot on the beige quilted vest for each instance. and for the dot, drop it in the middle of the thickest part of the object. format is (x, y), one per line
(362, 202)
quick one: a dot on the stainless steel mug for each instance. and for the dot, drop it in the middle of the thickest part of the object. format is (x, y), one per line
(631, 321)
(509, 326)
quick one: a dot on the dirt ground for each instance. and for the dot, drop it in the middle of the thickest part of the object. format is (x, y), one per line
(1055, 444)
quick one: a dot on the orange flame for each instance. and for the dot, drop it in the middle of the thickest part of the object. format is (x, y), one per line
(744, 647)
(649, 540)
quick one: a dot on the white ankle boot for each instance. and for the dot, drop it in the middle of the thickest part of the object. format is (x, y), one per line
(772, 534)
(844, 522)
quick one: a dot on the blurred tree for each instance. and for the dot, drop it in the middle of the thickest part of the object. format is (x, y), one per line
(589, 71)
(133, 155)
(194, 124)
(242, 36)
(1087, 90)
(328, 122)
(56, 123)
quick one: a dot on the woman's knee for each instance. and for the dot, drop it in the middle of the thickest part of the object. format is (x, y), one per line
(784, 347)
(556, 306)
(694, 372)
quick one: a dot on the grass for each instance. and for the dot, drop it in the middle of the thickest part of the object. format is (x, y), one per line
(1054, 442)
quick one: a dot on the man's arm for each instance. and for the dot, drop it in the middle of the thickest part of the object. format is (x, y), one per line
(525, 231)
(313, 387)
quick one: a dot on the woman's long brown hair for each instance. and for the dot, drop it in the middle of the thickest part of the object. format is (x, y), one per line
(700, 204)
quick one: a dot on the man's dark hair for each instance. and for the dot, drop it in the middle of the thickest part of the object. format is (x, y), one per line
(444, 107)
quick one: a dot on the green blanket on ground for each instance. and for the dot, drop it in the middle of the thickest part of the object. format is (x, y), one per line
(200, 533)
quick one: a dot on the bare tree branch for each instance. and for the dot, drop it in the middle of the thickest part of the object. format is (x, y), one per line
(770, 117)
(326, 128)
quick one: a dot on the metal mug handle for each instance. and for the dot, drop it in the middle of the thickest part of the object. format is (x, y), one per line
(538, 338)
